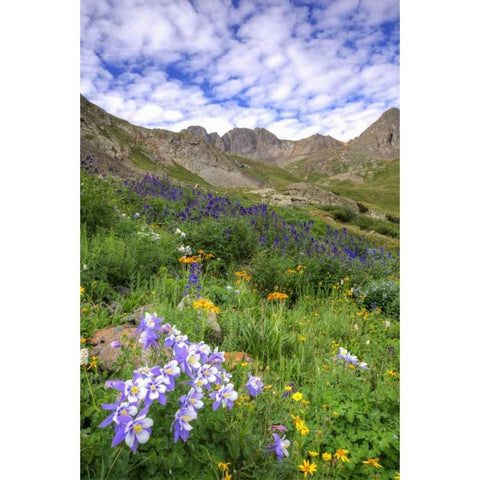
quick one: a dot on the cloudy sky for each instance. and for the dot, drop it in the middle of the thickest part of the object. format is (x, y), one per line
(294, 67)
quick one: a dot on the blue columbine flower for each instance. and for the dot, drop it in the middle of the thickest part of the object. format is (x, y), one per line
(224, 396)
(279, 446)
(181, 425)
(155, 390)
(254, 385)
(123, 409)
(138, 430)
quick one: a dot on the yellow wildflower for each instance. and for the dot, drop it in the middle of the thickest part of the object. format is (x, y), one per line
(227, 476)
(313, 454)
(327, 456)
(223, 466)
(206, 305)
(297, 396)
(82, 290)
(341, 454)
(372, 461)
(301, 338)
(277, 296)
(308, 468)
(304, 430)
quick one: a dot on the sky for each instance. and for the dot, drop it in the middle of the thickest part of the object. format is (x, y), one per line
(294, 67)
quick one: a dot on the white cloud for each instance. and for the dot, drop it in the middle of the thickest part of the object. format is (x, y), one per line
(291, 69)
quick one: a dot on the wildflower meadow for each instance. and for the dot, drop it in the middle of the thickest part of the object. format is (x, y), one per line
(299, 378)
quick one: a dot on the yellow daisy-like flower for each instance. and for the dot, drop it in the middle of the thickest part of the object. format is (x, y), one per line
(227, 476)
(301, 338)
(288, 388)
(297, 421)
(206, 305)
(342, 455)
(223, 466)
(313, 454)
(372, 461)
(297, 396)
(304, 430)
(277, 296)
(327, 456)
(82, 290)
(308, 468)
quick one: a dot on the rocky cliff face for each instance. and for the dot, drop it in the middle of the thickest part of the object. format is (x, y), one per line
(382, 138)
(260, 144)
(122, 149)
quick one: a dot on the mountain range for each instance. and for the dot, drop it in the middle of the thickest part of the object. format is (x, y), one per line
(241, 158)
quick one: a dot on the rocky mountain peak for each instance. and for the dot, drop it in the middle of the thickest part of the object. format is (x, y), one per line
(382, 138)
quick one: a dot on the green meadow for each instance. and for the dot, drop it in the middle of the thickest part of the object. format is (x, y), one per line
(306, 313)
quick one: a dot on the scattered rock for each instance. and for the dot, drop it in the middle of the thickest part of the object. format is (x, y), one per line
(136, 316)
(214, 332)
(232, 358)
(101, 347)
(121, 290)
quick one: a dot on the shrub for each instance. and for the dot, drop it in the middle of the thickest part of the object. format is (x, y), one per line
(383, 294)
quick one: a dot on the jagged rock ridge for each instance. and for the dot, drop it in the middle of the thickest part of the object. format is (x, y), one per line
(260, 144)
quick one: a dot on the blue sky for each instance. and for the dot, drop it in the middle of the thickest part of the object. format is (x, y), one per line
(294, 67)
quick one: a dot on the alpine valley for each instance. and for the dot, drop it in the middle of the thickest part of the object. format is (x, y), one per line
(360, 176)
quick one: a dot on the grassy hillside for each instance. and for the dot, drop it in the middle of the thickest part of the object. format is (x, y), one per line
(379, 191)
(267, 174)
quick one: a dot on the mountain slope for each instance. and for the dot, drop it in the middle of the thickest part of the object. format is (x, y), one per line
(123, 149)
(382, 138)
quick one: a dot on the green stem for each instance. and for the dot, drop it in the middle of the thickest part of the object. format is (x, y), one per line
(114, 461)
(90, 390)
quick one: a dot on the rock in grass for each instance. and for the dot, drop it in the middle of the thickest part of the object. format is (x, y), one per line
(214, 332)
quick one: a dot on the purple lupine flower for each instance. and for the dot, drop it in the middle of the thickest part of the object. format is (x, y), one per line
(224, 396)
(279, 446)
(254, 385)
(181, 424)
(138, 430)
(115, 344)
